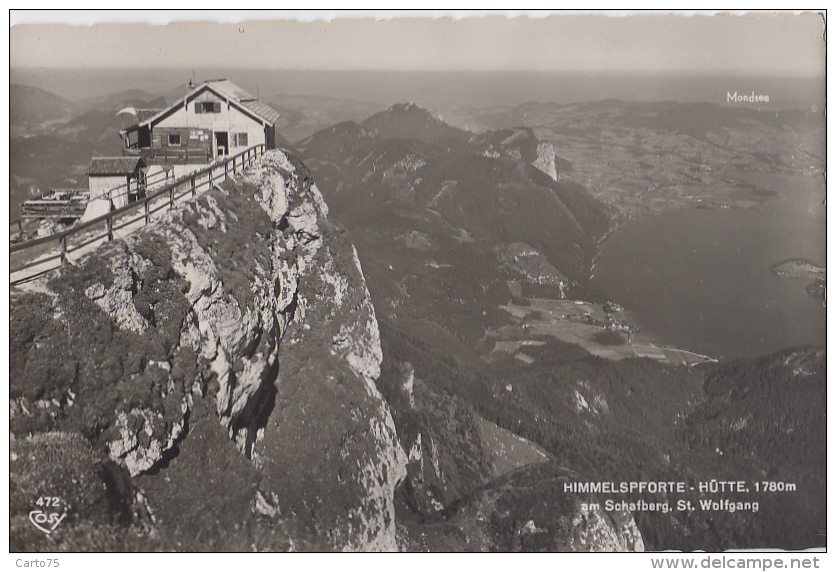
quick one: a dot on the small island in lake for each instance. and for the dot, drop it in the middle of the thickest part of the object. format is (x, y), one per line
(803, 268)
(797, 268)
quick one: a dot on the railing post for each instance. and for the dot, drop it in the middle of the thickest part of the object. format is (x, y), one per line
(171, 197)
(63, 246)
(226, 170)
(147, 212)
(109, 220)
(194, 189)
(211, 183)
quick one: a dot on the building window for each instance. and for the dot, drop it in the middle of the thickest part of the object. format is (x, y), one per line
(240, 139)
(174, 139)
(207, 107)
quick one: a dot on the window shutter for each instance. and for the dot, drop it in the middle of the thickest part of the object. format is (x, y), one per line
(217, 107)
(197, 107)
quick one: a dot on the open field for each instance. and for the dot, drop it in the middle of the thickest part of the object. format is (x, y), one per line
(585, 324)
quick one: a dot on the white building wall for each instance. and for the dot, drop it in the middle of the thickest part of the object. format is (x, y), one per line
(100, 186)
(230, 120)
(156, 174)
(183, 170)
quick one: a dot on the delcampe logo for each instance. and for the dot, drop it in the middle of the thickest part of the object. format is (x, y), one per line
(50, 513)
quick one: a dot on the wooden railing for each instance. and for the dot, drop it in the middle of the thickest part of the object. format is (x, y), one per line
(39, 256)
(18, 226)
(28, 221)
(168, 154)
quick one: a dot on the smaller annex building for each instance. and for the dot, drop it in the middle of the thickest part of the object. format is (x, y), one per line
(108, 173)
(215, 119)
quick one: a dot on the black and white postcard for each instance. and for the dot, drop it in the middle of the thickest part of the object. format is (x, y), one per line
(418, 282)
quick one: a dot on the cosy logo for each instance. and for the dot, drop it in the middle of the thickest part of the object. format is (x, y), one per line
(51, 512)
(746, 98)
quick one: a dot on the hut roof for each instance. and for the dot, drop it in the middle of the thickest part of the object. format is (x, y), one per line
(101, 166)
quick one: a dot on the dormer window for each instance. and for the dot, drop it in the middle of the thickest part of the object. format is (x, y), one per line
(207, 107)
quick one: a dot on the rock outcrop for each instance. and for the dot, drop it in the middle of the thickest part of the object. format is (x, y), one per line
(545, 160)
(246, 297)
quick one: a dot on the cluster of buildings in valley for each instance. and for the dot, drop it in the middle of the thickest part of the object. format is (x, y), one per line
(213, 120)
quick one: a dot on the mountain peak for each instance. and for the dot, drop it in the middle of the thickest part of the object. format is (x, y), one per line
(400, 111)
(410, 106)
(409, 121)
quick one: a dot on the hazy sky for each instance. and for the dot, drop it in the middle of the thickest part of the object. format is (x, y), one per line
(752, 44)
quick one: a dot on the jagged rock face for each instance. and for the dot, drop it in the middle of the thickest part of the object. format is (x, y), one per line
(327, 401)
(545, 160)
(518, 144)
(247, 297)
(447, 458)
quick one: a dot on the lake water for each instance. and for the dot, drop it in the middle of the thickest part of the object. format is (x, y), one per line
(700, 279)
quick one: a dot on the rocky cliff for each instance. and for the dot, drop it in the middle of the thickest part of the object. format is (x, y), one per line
(211, 383)
(246, 303)
(545, 160)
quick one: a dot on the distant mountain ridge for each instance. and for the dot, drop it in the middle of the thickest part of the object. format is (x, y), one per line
(34, 106)
(131, 97)
(688, 118)
(430, 206)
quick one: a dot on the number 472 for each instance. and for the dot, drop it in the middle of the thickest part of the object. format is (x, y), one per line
(48, 501)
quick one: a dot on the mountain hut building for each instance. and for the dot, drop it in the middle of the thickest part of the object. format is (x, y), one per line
(215, 119)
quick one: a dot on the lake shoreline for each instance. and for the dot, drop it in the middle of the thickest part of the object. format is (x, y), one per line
(706, 280)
